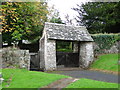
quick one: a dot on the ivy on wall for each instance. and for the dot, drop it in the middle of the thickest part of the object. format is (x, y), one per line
(105, 41)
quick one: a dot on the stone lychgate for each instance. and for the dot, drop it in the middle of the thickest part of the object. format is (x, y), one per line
(53, 32)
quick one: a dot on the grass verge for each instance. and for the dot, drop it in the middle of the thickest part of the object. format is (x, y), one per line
(106, 62)
(21, 78)
(88, 83)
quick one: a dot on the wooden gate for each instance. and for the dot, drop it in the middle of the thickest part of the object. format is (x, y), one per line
(34, 61)
(68, 59)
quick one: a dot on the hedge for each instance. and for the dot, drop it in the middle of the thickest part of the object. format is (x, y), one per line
(105, 41)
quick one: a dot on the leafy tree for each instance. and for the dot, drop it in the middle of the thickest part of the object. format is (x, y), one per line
(99, 17)
(23, 20)
(56, 20)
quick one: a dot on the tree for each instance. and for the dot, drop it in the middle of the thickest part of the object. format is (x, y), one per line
(99, 17)
(23, 20)
(68, 20)
(54, 16)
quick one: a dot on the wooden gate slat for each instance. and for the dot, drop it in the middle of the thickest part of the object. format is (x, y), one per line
(67, 59)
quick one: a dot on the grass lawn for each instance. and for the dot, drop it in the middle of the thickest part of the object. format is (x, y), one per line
(0, 81)
(21, 78)
(0, 86)
(88, 83)
(106, 62)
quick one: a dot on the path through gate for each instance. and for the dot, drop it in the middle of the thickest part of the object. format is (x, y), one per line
(67, 59)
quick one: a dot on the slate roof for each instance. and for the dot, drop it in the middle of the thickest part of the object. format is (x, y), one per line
(67, 32)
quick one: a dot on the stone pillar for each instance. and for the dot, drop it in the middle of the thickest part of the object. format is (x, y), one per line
(50, 60)
(48, 54)
(42, 53)
(75, 47)
(0, 60)
(86, 54)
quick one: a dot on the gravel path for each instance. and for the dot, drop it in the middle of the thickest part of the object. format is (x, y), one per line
(95, 75)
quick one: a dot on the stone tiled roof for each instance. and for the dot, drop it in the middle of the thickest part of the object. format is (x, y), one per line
(66, 32)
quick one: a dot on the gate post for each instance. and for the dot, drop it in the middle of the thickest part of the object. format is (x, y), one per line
(75, 47)
(86, 54)
(47, 54)
(50, 53)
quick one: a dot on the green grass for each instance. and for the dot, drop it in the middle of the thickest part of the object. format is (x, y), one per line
(65, 50)
(21, 78)
(87, 83)
(0, 82)
(0, 87)
(106, 62)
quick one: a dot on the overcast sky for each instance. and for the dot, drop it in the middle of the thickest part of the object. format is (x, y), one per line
(64, 7)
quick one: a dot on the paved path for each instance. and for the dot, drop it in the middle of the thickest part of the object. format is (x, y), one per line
(62, 83)
(95, 75)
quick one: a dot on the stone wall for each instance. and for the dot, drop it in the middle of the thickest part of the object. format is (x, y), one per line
(12, 58)
(86, 54)
(113, 49)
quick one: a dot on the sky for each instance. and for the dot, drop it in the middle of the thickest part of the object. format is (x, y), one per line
(64, 7)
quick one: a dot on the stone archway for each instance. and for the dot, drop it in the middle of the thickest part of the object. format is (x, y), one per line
(53, 32)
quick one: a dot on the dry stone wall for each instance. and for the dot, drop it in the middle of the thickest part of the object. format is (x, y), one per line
(113, 49)
(15, 58)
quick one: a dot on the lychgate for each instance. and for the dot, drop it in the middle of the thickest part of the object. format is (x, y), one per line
(53, 32)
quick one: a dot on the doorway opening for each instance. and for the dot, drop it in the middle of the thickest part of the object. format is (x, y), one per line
(66, 56)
